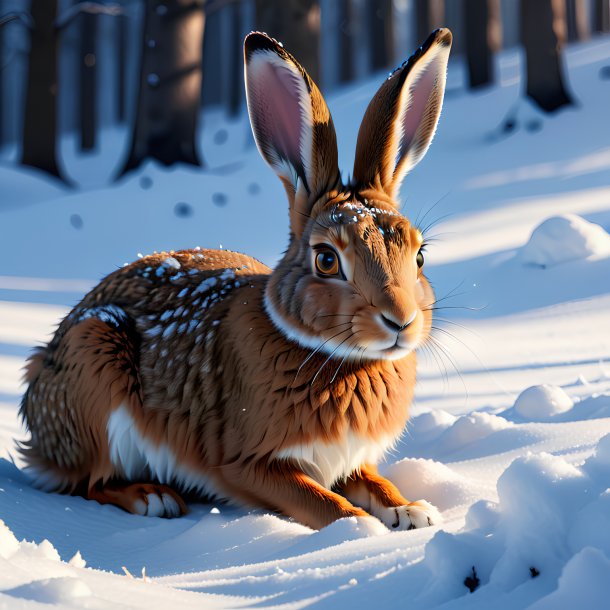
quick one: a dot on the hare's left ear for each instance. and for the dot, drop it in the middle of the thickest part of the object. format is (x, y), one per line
(291, 124)
(401, 119)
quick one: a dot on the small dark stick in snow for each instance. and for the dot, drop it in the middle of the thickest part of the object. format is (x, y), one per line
(472, 582)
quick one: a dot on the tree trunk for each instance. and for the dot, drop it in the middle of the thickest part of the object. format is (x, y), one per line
(429, 15)
(121, 73)
(1, 86)
(40, 122)
(346, 41)
(381, 33)
(88, 89)
(542, 30)
(235, 76)
(482, 33)
(576, 18)
(170, 84)
(295, 23)
(601, 16)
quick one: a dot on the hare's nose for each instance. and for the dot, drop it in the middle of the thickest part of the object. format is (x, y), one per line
(395, 326)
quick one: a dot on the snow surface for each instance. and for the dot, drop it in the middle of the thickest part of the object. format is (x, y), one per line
(510, 430)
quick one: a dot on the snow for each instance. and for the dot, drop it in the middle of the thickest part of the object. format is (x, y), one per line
(565, 238)
(510, 430)
(542, 403)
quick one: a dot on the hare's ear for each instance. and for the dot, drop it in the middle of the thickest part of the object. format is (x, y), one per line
(401, 119)
(291, 123)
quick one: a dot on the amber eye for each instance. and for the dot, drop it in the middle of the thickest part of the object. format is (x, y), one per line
(327, 262)
(420, 259)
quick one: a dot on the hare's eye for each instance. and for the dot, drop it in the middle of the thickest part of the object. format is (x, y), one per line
(420, 259)
(327, 262)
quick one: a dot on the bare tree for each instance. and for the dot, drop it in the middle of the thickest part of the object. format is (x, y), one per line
(379, 19)
(1, 84)
(296, 23)
(542, 30)
(346, 41)
(121, 64)
(577, 20)
(40, 123)
(170, 84)
(88, 84)
(601, 16)
(430, 15)
(483, 33)
(236, 79)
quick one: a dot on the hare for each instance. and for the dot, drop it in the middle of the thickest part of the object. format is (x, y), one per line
(206, 372)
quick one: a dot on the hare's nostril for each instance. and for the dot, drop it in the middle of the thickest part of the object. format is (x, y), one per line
(391, 324)
(394, 326)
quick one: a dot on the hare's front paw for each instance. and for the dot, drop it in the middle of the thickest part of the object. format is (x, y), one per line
(410, 516)
(152, 500)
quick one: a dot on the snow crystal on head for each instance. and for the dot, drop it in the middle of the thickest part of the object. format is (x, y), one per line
(354, 211)
(171, 262)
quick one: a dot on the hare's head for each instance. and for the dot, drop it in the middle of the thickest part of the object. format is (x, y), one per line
(351, 282)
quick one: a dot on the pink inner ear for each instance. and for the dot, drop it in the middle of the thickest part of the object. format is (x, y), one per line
(419, 94)
(276, 103)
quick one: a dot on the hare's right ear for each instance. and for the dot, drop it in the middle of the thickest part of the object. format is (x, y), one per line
(291, 124)
(401, 119)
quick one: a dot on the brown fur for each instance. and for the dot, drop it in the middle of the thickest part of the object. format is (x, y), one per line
(183, 341)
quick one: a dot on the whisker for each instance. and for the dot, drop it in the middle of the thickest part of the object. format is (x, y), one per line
(435, 222)
(470, 350)
(315, 351)
(442, 369)
(328, 360)
(343, 360)
(453, 323)
(418, 220)
(445, 351)
(466, 307)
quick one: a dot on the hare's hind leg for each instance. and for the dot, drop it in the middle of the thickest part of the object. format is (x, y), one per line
(368, 489)
(75, 383)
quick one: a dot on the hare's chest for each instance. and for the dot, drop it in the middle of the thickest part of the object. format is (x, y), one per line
(329, 463)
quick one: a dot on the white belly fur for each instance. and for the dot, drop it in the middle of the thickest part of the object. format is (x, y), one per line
(328, 463)
(140, 460)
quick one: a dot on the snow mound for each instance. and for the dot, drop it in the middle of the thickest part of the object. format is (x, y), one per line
(564, 238)
(469, 429)
(352, 528)
(420, 478)
(430, 425)
(583, 583)
(542, 403)
(61, 590)
(548, 532)
(9, 545)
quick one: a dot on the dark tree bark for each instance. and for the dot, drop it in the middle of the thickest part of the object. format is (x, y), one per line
(346, 41)
(295, 23)
(236, 79)
(2, 136)
(170, 84)
(429, 15)
(88, 78)
(542, 28)
(379, 20)
(39, 130)
(121, 73)
(601, 16)
(482, 33)
(576, 18)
